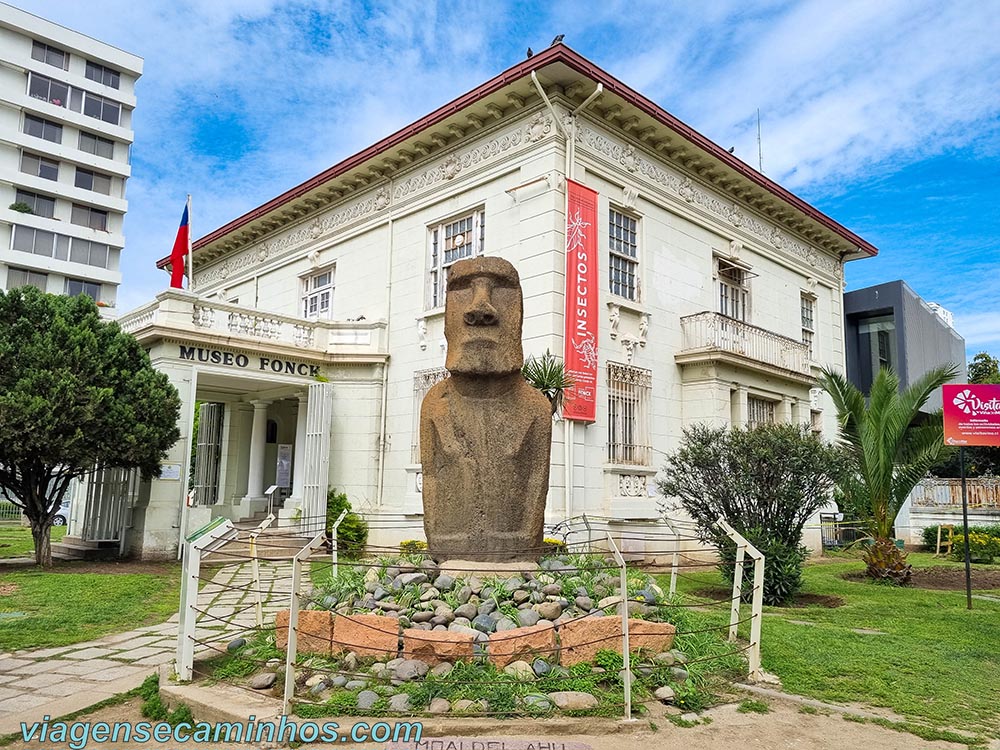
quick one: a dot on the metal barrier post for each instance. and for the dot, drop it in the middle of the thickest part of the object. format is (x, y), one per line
(196, 545)
(333, 542)
(626, 656)
(590, 533)
(293, 618)
(675, 558)
(757, 600)
(255, 567)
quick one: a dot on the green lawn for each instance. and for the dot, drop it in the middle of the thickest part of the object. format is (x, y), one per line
(937, 663)
(62, 606)
(16, 541)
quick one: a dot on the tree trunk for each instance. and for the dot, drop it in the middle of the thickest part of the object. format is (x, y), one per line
(43, 544)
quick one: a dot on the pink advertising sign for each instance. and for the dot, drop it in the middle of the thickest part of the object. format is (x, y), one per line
(971, 414)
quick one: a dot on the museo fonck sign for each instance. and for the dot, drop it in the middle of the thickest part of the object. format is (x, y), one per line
(247, 362)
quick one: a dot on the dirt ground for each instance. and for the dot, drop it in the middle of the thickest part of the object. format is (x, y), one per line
(942, 578)
(784, 728)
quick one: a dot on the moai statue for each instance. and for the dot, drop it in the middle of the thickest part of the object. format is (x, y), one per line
(485, 434)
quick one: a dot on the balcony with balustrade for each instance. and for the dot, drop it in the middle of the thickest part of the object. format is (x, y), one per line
(710, 337)
(179, 314)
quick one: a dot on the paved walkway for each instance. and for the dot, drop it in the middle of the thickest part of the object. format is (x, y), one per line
(58, 681)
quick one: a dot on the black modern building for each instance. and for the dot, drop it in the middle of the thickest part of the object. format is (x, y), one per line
(890, 325)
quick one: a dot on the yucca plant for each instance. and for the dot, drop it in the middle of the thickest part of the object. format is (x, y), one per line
(890, 449)
(548, 374)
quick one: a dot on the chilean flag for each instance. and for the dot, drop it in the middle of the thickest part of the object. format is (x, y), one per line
(182, 246)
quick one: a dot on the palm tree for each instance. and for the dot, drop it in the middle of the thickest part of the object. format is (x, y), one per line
(548, 374)
(890, 451)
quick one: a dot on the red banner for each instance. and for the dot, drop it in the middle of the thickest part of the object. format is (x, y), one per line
(971, 414)
(582, 292)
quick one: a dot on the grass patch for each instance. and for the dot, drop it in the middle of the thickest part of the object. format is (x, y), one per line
(59, 607)
(935, 665)
(753, 707)
(16, 541)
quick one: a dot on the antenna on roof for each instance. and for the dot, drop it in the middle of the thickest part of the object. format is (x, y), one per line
(760, 152)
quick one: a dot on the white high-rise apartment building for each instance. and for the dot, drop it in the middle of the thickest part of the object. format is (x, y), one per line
(66, 104)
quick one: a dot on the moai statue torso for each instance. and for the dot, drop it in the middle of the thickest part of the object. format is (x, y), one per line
(485, 434)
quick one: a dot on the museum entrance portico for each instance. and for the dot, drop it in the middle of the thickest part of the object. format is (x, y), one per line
(259, 393)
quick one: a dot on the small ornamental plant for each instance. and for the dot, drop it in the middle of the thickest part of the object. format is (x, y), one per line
(412, 546)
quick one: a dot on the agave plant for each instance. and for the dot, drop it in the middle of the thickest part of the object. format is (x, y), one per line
(890, 449)
(548, 374)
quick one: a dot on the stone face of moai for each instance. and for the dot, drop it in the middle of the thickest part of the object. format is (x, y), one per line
(485, 434)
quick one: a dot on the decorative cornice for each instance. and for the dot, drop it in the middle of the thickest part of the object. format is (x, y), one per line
(633, 161)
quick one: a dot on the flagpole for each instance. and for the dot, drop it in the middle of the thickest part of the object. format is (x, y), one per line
(188, 258)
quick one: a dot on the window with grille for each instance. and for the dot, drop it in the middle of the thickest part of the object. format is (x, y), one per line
(734, 289)
(451, 241)
(101, 74)
(99, 183)
(39, 128)
(629, 404)
(39, 166)
(86, 216)
(423, 381)
(317, 296)
(623, 258)
(808, 314)
(18, 277)
(760, 411)
(41, 205)
(94, 144)
(49, 55)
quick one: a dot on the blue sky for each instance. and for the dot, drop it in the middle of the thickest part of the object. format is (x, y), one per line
(884, 114)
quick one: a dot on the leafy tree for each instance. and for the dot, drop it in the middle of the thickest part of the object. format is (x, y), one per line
(766, 482)
(352, 534)
(548, 374)
(891, 449)
(984, 369)
(76, 394)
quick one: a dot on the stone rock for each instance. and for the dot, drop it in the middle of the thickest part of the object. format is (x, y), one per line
(468, 611)
(679, 673)
(521, 596)
(609, 601)
(429, 567)
(537, 701)
(549, 610)
(399, 703)
(521, 643)
(443, 669)
(546, 624)
(527, 617)
(520, 670)
(469, 707)
(411, 669)
(408, 579)
(367, 635)
(381, 671)
(350, 661)
(665, 694)
(540, 667)
(393, 663)
(552, 589)
(263, 681)
(648, 596)
(679, 656)
(475, 584)
(582, 639)
(367, 699)
(486, 592)
(465, 622)
(371, 575)
(444, 582)
(339, 681)
(484, 623)
(572, 700)
(316, 679)
(422, 616)
(273, 663)
(437, 646)
(439, 706)
(691, 717)
(665, 658)
(513, 584)
(315, 631)
(440, 628)
(537, 597)
(236, 644)
(356, 684)
(488, 607)
(379, 594)
(584, 602)
(505, 623)
(485, 434)
(430, 594)
(318, 689)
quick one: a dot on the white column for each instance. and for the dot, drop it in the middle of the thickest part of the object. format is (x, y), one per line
(258, 442)
(299, 451)
(785, 410)
(740, 407)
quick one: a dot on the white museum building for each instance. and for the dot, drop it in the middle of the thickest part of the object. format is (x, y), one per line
(315, 325)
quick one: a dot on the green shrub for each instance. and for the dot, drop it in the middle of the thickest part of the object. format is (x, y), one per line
(21, 207)
(413, 547)
(982, 547)
(929, 534)
(352, 534)
(782, 568)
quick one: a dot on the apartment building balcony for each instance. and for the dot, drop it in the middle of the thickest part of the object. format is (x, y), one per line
(709, 337)
(178, 314)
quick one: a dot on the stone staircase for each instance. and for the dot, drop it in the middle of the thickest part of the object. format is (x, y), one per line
(75, 548)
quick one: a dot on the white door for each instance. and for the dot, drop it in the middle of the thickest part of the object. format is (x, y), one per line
(319, 415)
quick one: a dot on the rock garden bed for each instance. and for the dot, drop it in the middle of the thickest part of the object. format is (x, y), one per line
(399, 636)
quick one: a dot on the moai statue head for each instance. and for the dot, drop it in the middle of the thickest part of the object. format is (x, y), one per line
(482, 319)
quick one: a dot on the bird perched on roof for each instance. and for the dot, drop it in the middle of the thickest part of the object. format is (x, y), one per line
(558, 39)
(530, 52)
